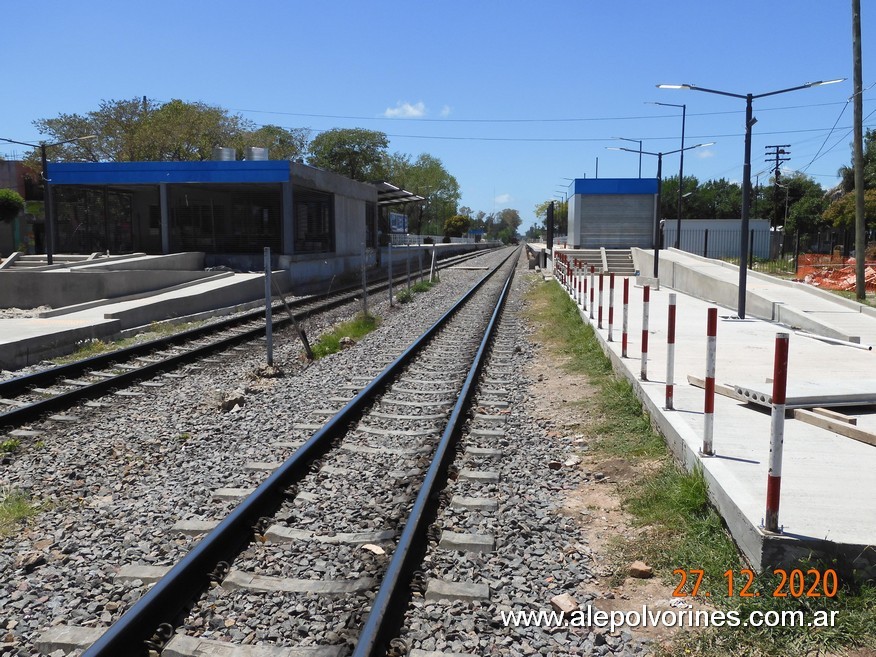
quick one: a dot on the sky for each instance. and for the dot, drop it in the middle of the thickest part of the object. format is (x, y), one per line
(514, 97)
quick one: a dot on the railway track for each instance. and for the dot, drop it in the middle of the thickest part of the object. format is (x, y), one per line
(400, 429)
(151, 364)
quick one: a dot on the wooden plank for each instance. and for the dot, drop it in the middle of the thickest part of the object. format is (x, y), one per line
(834, 415)
(720, 388)
(841, 428)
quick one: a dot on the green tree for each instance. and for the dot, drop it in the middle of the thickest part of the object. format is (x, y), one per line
(691, 207)
(11, 205)
(561, 215)
(841, 213)
(847, 173)
(141, 129)
(426, 177)
(282, 143)
(456, 226)
(793, 190)
(353, 152)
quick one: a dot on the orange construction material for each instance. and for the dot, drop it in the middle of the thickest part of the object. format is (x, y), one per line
(833, 272)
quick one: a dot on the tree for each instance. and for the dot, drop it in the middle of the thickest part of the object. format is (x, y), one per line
(561, 215)
(426, 177)
(456, 226)
(282, 143)
(691, 207)
(841, 213)
(141, 129)
(848, 173)
(353, 152)
(11, 205)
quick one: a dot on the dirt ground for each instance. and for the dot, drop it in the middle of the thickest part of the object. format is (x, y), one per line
(596, 503)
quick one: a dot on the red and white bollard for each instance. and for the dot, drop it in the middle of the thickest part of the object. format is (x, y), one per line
(626, 317)
(592, 289)
(646, 301)
(584, 295)
(599, 309)
(610, 306)
(670, 354)
(709, 402)
(777, 433)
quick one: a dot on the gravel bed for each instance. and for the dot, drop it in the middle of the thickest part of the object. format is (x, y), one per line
(111, 485)
(536, 555)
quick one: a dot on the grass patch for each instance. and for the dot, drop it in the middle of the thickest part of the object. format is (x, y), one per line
(677, 527)
(95, 347)
(423, 286)
(15, 507)
(10, 446)
(404, 296)
(356, 328)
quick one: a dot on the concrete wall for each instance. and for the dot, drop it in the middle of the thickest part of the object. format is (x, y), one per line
(349, 225)
(695, 279)
(30, 289)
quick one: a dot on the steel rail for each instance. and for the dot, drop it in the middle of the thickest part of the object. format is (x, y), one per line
(19, 384)
(169, 599)
(387, 611)
(34, 410)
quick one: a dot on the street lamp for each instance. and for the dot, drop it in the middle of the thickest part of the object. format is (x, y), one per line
(50, 219)
(746, 168)
(639, 142)
(680, 170)
(658, 211)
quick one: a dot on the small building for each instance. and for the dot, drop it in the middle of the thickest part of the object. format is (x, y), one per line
(615, 213)
(318, 224)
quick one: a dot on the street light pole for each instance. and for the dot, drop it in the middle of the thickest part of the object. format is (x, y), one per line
(680, 172)
(635, 141)
(658, 211)
(746, 169)
(47, 192)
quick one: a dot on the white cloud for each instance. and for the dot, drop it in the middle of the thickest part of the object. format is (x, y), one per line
(501, 199)
(405, 111)
(704, 153)
(445, 111)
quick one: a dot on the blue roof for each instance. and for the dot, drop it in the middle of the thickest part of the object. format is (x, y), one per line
(613, 186)
(152, 173)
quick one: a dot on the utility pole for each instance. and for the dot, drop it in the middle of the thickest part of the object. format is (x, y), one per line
(860, 235)
(776, 158)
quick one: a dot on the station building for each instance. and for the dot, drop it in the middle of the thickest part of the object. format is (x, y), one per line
(318, 224)
(614, 213)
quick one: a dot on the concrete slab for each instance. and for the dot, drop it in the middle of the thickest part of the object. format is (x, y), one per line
(26, 341)
(827, 480)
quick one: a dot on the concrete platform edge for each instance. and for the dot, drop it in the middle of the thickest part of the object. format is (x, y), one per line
(762, 550)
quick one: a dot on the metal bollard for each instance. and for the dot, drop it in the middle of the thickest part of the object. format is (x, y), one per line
(777, 433)
(599, 309)
(610, 306)
(592, 289)
(646, 301)
(709, 401)
(670, 354)
(626, 313)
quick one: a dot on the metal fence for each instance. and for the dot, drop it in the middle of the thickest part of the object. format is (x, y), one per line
(771, 252)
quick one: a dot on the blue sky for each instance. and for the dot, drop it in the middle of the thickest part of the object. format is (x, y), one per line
(512, 96)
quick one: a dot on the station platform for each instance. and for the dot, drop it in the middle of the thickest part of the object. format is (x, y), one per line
(28, 340)
(827, 480)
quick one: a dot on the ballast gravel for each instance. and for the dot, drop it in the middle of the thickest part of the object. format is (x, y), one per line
(111, 486)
